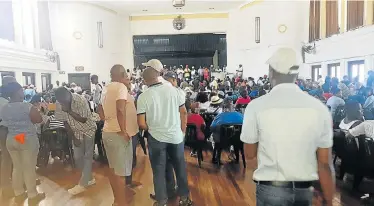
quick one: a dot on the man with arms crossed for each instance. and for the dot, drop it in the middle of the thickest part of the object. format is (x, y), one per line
(161, 111)
(290, 134)
(116, 134)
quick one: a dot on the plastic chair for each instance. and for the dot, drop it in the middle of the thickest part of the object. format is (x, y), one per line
(191, 141)
(230, 135)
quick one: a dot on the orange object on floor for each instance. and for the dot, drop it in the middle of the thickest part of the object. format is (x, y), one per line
(20, 138)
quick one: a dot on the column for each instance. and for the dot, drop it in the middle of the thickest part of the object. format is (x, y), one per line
(17, 19)
(368, 5)
(27, 23)
(323, 19)
(343, 16)
(19, 77)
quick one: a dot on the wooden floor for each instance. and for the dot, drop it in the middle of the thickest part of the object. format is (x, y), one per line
(230, 185)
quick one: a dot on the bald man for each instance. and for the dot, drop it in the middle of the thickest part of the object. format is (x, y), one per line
(166, 124)
(116, 134)
(6, 162)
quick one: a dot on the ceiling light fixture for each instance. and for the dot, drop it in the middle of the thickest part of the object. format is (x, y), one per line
(144, 10)
(211, 8)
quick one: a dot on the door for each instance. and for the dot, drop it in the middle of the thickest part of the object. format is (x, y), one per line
(46, 80)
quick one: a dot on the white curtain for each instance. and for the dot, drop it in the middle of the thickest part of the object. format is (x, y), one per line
(45, 38)
(6, 20)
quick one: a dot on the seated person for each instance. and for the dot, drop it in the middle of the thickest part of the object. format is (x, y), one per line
(335, 101)
(369, 102)
(215, 105)
(203, 101)
(244, 98)
(365, 128)
(354, 115)
(196, 119)
(327, 93)
(227, 117)
(360, 96)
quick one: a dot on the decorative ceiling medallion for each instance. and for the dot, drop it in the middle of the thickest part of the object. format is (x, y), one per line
(282, 28)
(77, 35)
(179, 23)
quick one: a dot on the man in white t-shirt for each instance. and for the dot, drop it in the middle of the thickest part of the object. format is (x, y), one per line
(116, 134)
(161, 111)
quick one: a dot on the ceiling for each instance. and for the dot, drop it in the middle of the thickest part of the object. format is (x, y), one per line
(152, 7)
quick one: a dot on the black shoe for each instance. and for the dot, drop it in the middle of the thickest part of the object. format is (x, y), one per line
(186, 202)
(170, 197)
(38, 198)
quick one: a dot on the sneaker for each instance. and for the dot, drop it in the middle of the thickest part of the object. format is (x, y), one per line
(77, 190)
(185, 202)
(193, 154)
(91, 182)
(35, 200)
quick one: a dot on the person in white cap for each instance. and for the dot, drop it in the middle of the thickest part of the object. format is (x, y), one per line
(157, 65)
(290, 134)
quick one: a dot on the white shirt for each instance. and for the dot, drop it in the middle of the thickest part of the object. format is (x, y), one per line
(160, 103)
(334, 102)
(113, 91)
(347, 126)
(365, 128)
(97, 94)
(289, 126)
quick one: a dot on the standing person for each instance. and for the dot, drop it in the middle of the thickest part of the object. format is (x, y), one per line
(161, 111)
(22, 142)
(117, 132)
(97, 91)
(200, 71)
(6, 162)
(239, 72)
(74, 111)
(132, 129)
(283, 147)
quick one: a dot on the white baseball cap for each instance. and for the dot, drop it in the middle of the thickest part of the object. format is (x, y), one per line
(283, 59)
(155, 64)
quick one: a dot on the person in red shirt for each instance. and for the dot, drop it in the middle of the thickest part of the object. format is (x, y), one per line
(244, 98)
(327, 93)
(196, 119)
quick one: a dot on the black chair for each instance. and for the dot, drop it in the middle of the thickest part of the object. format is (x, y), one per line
(99, 141)
(208, 119)
(190, 140)
(58, 143)
(230, 135)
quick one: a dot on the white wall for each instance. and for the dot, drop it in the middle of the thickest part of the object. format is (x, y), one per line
(342, 48)
(199, 25)
(70, 17)
(241, 46)
(23, 54)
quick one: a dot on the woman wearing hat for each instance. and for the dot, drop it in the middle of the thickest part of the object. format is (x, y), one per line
(22, 142)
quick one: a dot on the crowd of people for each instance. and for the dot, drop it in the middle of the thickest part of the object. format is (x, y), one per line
(279, 115)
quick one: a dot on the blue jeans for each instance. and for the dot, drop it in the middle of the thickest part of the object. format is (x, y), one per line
(159, 152)
(83, 156)
(278, 196)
